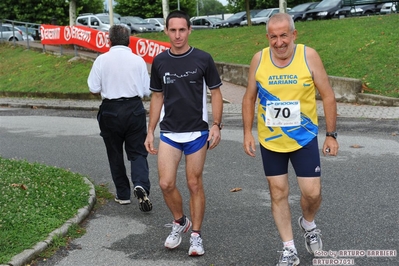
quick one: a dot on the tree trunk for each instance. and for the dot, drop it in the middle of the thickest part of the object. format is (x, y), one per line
(248, 13)
(165, 8)
(283, 6)
(72, 12)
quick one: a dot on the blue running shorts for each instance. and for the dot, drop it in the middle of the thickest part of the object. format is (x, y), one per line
(188, 147)
(305, 161)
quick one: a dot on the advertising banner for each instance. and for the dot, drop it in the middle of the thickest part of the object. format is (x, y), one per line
(98, 40)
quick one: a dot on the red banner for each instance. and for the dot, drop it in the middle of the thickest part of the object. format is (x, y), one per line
(98, 40)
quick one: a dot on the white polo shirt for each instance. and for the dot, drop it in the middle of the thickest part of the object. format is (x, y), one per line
(119, 73)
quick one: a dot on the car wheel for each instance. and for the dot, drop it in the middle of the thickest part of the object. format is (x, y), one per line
(13, 38)
(368, 13)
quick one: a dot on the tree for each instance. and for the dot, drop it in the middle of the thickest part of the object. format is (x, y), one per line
(210, 7)
(45, 11)
(152, 8)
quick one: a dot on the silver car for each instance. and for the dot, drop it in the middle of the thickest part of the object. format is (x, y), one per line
(10, 33)
(158, 22)
(138, 25)
(207, 23)
(99, 22)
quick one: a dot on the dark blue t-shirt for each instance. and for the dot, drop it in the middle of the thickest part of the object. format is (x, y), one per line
(184, 79)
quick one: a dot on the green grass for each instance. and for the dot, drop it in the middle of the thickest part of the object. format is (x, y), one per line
(30, 71)
(36, 199)
(365, 48)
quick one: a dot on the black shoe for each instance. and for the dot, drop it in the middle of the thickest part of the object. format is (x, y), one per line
(145, 204)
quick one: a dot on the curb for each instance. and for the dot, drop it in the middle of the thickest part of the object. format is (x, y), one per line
(28, 254)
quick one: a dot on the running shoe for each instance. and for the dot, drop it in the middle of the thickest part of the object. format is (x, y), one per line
(288, 258)
(174, 238)
(312, 238)
(145, 204)
(196, 247)
(122, 202)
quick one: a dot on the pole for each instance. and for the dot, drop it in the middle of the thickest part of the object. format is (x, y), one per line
(111, 13)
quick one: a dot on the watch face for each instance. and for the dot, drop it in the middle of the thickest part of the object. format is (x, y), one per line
(332, 134)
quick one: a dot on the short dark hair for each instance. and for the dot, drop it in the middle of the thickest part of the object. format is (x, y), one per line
(178, 14)
(119, 35)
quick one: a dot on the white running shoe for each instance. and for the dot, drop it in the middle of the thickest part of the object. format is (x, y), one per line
(122, 202)
(288, 258)
(174, 238)
(312, 238)
(196, 247)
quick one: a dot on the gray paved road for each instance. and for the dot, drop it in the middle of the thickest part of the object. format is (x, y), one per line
(359, 211)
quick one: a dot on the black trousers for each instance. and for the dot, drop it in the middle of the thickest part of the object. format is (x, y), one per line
(123, 123)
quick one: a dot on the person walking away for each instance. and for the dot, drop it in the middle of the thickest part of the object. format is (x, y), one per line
(283, 79)
(122, 79)
(179, 80)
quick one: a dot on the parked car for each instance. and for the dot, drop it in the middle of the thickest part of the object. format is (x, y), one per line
(138, 25)
(115, 15)
(325, 10)
(99, 22)
(207, 23)
(358, 10)
(158, 22)
(388, 8)
(262, 17)
(235, 20)
(10, 33)
(25, 36)
(30, 32)
(297, 11)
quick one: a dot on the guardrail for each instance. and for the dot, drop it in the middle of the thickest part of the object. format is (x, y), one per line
(29, 29)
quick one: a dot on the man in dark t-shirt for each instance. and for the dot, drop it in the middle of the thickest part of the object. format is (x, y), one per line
(179, 81)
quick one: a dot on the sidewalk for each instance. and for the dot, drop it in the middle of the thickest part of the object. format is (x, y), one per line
(232, 93)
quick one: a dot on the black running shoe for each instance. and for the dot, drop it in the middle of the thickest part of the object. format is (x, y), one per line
(145, 204)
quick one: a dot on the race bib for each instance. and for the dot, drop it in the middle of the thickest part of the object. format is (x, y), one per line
(283, 113)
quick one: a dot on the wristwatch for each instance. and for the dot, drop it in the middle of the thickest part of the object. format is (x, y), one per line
(220, 125)
(333, 134)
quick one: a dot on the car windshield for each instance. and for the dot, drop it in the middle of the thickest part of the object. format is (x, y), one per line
(105, 20)
(263, 13)
(328, 3)
(300, 8)
(136, 20)
(161, 20)
(214, 20)
(237, 15)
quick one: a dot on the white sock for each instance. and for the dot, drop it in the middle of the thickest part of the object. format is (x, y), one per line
(291, 245)
(308, 225)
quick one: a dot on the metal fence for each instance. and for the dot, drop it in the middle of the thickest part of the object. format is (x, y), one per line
(29, 31)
